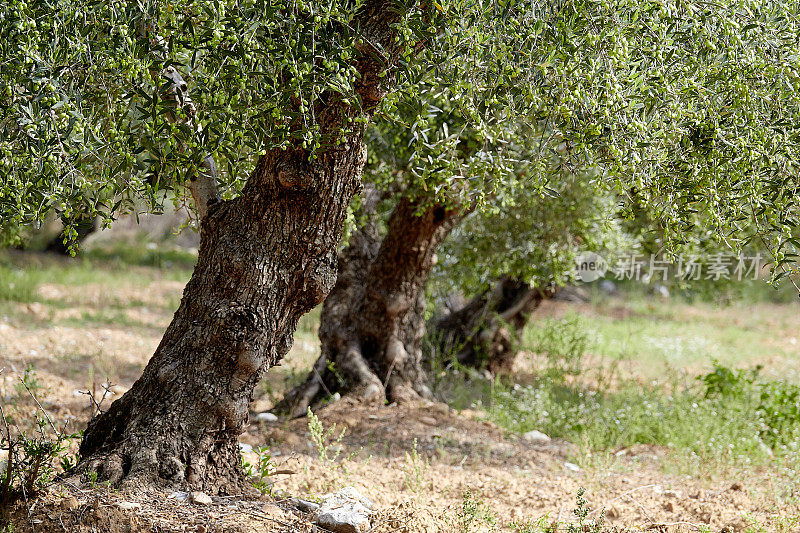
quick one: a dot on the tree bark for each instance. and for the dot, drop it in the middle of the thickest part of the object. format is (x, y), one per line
(485, 332)
(265, 259)
(372, 323)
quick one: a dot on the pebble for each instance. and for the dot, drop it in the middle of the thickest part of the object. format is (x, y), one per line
(428, 420)
(128, 506)
(536, 437)
(200, 498)
(304, 506)
(71, 503)
(266, 417)
(572, 467)
(245, 448)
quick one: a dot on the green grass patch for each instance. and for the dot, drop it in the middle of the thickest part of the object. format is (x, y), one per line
(21, 274)
(143, 253)
(726, 416)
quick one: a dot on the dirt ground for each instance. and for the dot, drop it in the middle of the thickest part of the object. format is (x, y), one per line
(427, 467)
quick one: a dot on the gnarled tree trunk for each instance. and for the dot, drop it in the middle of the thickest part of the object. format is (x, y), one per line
(265, 258)
(84, 226)
(485, 332)
(372, 323)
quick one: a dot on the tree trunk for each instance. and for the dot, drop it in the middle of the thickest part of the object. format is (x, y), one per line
(485, 332)
(84, 227)
(265, 259)
(372, 323)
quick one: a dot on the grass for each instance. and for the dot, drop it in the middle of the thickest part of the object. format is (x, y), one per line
(21, 275)
(722, 418)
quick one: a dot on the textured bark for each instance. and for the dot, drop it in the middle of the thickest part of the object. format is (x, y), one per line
(372, 323)
(265, 259)
(486, 331)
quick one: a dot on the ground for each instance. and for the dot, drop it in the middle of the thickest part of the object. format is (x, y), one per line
(68, 327)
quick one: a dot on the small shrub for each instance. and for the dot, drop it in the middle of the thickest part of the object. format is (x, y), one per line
(581, 512)
(261, 473)
(415, 470)
(32, 462)
(723, 381)
(329, 445)
(564, 342)
(779, 413)
(473, 512)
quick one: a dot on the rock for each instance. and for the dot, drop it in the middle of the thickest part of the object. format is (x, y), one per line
(572, 467)
(661, 290)
(128, 506)
(345, 511)
(349, 518)
(304, 506)
(608, 286)
(429, 420)
(179, 495)
(200, 498)
(71, 503)
(245, 448)
(266, 417)
(347, 494)
(273, 511)
(536, 437)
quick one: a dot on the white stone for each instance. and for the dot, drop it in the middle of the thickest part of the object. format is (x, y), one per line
(128, 506)
(345, 511)
(349, 518)
(200, 498)
(536, 437)
(572, 467)
(266, 417)
(245, 448)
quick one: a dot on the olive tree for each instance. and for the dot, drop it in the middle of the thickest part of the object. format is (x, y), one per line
(648, 101)
(258, 108)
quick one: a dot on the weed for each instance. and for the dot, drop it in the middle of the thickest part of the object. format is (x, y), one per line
(730, 419)
(473, 512)
(261, 473)
(32, 460)
(563, 342)
(581, 511)
(28, 382)
(329, 447)
(415, 470)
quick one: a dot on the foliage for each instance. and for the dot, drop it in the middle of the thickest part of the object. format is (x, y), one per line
(534, 234)
(415, 470)
(88, 125)
(32, 460)
(689, 106)
(261, 473)
(563, 342)
(740, 422)
(327, 442)
(473, 512)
